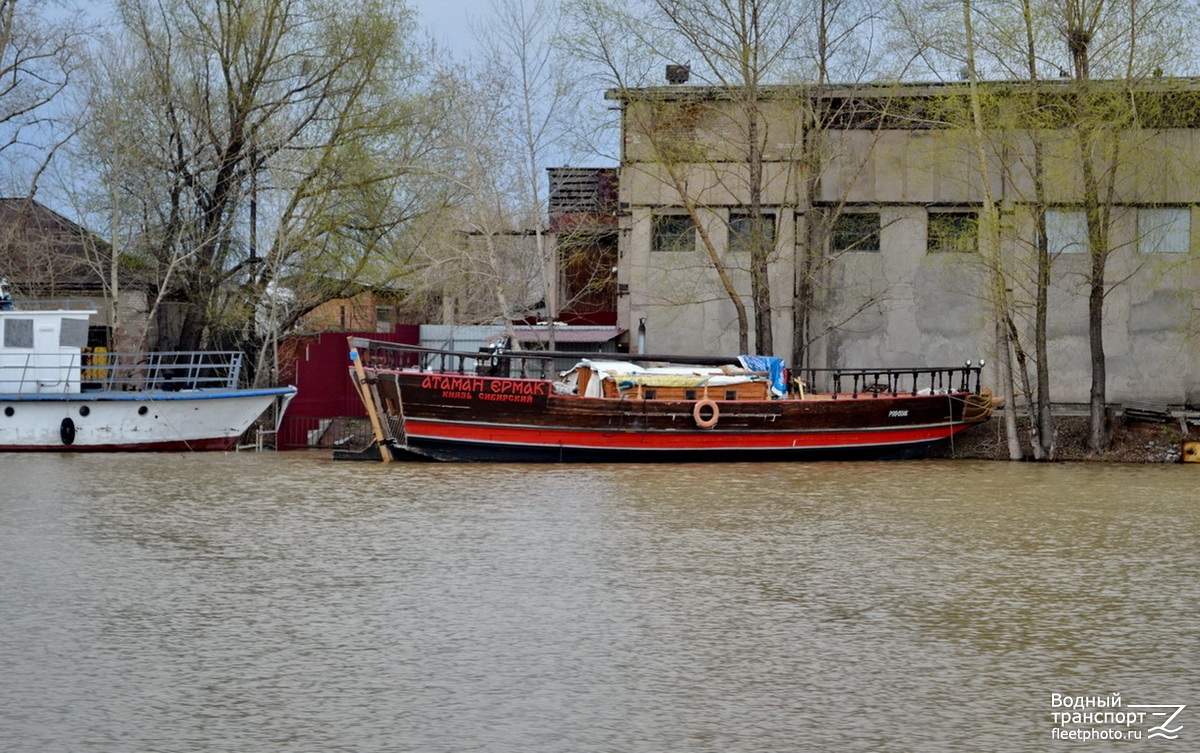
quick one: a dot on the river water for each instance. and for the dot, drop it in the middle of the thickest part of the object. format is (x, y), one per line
(242, 602)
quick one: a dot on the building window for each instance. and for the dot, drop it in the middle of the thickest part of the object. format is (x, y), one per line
(1066, 231)
(855, 231)
(1165, 230)
(673, 232)
(745, 234)
(953, 232)
(383, 318)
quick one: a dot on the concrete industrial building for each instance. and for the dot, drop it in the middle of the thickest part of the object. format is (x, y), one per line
(892, 199)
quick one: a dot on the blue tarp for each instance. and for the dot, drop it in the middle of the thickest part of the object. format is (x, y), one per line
(773, 366)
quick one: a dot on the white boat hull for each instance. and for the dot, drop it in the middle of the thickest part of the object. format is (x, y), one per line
(110, 421)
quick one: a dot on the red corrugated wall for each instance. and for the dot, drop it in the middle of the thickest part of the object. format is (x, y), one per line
(319, 367)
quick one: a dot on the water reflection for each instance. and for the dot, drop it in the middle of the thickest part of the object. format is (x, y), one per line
(213, 602)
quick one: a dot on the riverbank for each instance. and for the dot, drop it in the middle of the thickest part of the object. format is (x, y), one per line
(1132, 442)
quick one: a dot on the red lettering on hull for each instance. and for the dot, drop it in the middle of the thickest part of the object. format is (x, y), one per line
(482, 388)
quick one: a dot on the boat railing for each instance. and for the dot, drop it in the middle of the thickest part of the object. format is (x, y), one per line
(540, 364)
(905, 381)
(96, 370)
(170, 371)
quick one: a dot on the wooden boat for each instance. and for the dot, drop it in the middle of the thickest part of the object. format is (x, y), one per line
(520, 407)
(56, 396)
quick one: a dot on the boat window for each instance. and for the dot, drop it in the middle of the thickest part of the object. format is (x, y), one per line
(731, 394)
(689, 394)
(18, 333)
(73, 333)
(651, 394)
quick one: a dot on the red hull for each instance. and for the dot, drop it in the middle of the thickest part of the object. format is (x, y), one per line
(195, 445)
(652, 441)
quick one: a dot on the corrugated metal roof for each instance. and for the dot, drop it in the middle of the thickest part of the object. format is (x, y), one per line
(471, 338)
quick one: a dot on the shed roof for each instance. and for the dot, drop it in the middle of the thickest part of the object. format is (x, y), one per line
(41, 251)
(567, 334)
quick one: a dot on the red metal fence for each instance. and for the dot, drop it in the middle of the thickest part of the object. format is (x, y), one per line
(326, 411)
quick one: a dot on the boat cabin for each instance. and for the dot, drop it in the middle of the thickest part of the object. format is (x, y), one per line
(42, 351)
(623, 379)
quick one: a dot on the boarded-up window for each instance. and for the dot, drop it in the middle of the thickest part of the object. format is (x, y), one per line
(18, 333)
(73, 333)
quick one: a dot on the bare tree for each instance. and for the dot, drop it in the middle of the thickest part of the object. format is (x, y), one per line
(835, 37)
(518, 39)
(263, 146)
(763, 69)
(738, 47)
(742, 45)
(1028, 125)
(39, 58)
(989, 228)
(475, 251)
(488, 251)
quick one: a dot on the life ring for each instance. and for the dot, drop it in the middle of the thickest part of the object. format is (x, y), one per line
(711, 421)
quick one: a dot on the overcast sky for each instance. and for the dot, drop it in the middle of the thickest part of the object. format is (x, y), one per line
(448, 21)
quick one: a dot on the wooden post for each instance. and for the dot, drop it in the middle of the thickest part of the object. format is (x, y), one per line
(385, 452)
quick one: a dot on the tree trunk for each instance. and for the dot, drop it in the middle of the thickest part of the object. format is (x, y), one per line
(1097, 403)
(1097, 220)
(990, 242)
(813, 249)
(1009, 412)
(1042, 430)
(1088, 132)
(760, 249)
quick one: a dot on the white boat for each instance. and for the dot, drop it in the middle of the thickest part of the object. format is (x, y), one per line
(57, 395)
